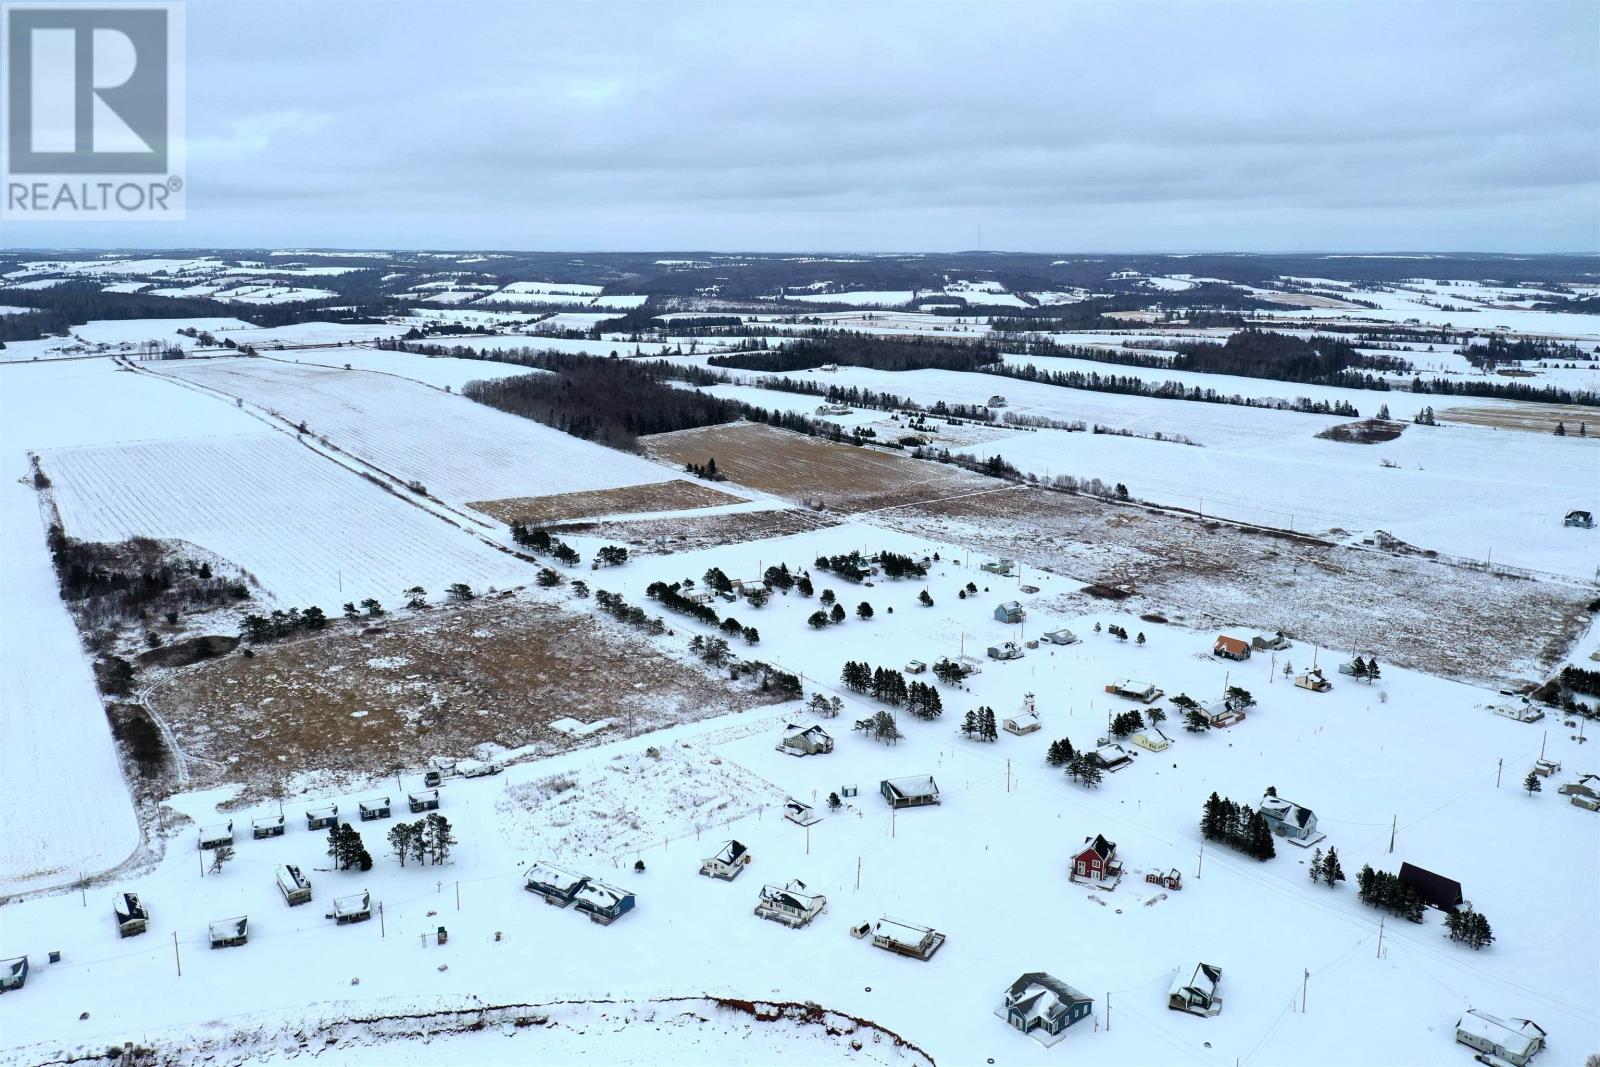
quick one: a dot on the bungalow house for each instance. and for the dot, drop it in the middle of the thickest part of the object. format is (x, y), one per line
(804, 740)
(1128, 689)
(216, 835)
(132, 918)
(1276, 643)
(229, 933)
(1513, 1040)
(13, 974)
(427, 800)
(1313, 680)
(1288, 819)
(604, 904)
(323, 818)
(1521, 711)
(1152, 739)
(1060, 637)
(997, 401)
(356, 908)
(1585, 792)
(267, 826)
(1043, 1006)
(1023, 722)
(1097, 863)
(557, 885)
(1221, 714)
(908, 939)
(376, 808)
(1581, 520)
(1110, 757)
(910, 792)
(294, 885)
(800, 813)
(1010, 611)
(999, 566)
(1230, 648)
(1005, 650)
(1194, 990)
(1435, 889)
(729, 862)
(791, 904)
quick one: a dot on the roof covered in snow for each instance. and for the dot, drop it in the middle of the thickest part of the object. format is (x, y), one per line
(921, 785)
(1519, 1037)
(1285, 810)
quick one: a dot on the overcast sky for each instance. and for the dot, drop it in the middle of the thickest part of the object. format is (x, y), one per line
(1043, 126)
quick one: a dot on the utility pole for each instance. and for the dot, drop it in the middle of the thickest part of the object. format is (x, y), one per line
(1304, 980)
(1202, 861)
(383, 930)
(458, 896)
(808, 840)
(1542, 739)
(1008, 783)
(858, 874)
(1393, 825)
(1498, 765)
(177, 958)
(1108, 1013)
(1380, 937)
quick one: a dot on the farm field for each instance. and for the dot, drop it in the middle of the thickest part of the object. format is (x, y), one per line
(459, 450)
(683, 532)
(1534, 418)
(307, 530)
(678, 494)
(441, 372)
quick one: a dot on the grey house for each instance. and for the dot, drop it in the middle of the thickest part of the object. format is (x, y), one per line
(1288, 819)
(1010, 611)
(1043, 1006)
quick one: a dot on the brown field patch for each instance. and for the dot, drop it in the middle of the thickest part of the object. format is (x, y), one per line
(351, 706)
(1534, 418)
(844, 478)
(1364, 431)
(689, 533)
(677, 495)
(1409, 610)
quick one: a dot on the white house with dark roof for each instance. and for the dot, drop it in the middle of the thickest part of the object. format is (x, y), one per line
(1194, 990)
(1043, 1006)
(1288, 819)
(1513, 1040)
(910, 792)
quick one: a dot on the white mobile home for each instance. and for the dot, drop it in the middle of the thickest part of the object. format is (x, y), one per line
(294, 885)
(1513, 1040)
(907, 939)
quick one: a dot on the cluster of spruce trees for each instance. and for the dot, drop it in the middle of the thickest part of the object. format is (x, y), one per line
(896, 565)
(1237, 826)
(979, 725)
(1384, 890)
(259, 628)
(1469, 927)
(613, 604)
(849, 566)
(428, 839)
(890, 687)
(670, 597)
(1326, 868)
(880, 727)
(1129, 722)
(538, 540)
(346, 848)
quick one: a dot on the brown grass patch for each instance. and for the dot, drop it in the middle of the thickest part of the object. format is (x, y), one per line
(690, 533)
(349, 706)
(676, 495)
(1534, 418)
(1364, 431)
(845, 478)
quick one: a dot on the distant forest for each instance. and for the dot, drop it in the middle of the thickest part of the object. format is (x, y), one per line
(849, 349)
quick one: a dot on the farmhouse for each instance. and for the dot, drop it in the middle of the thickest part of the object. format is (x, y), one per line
(323, 818)
(1581, 520)
(1023, 722)
(1220, 714)
(557, 885)
(1005, 650)
(910, 792)
(1097, 863)
(376, 808)
(1288, 819)
(1152, 739)
(427, 800)
(13, 973)
(1513, 1040)
(1060, 637)
(1128, 689)
(1194, 990)
(1522, 711)
(1110, 757)
(729, 862)
(1230, 648)
(356, 908)
(604, 904)
(132, 918)
(1276, 643)
(267, 826)
(792, 905)
(1010, 611)
(908, 939)
(295, 886)
(216, 836)
(805, 741)
(1435, 889)
(1313, 680)
(229, 933)
(800, 813)
(1043, 1006)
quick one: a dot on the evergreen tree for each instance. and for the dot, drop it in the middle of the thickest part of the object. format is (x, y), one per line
(400, 840)
(1359, 667)
(802, 585)
(1531, 783)
(986, 725)
(1331, 871)
(1373, 673)
(863, 611)
(884, 728)
(969, 725)
(1060, 752)
(834, 803)
(440, 837)
(1090, 774)
(924, 599)
(817, 620)
(1194, 721)
(837, 614)
(220, 856)
(1316, 866)
(1075, 764)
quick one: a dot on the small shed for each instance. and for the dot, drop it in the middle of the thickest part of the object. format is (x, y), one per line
(800, 813)
(1009, 612)
(229, 933)
(374, 809)
(1194, 990)
(1043, 1006)
(604, 904)
(1142, 692)
(557, 885)
(294, 885)
(1097, 863)
(355, 908)
(1513, 1040)
(1230, 648)
(728, 863)
(1060, 637)
(323, 818)
(911, 792)
(427, 800)
(805, 740)
(906, 939)
(1435, 889)
(793, 904)
(216, 835)
(13, 973)
(132, 918)
(267, 826)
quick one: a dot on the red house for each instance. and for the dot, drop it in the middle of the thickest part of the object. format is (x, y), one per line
(1097, 862)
